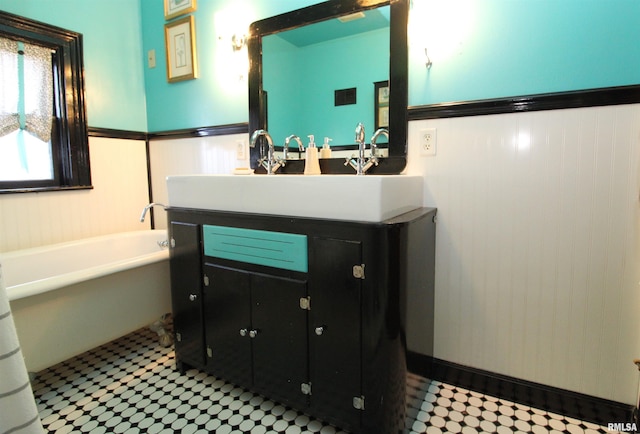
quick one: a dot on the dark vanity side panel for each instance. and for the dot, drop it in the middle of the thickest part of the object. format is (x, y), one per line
(383, 332)
(186, 292)
(420, 241)
(408, 241)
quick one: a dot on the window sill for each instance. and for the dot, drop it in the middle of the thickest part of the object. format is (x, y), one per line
(44, 189)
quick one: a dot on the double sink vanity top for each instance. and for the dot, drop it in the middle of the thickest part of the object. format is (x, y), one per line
(370, 198)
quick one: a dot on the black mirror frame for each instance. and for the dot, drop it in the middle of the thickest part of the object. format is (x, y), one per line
(398, 78)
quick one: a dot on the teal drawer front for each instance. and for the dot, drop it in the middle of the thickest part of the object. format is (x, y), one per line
(273, 249)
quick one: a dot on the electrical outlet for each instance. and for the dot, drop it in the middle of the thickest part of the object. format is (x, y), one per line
(428, 141)
(241, 153)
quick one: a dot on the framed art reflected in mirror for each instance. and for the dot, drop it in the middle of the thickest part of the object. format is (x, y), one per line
(381, 98)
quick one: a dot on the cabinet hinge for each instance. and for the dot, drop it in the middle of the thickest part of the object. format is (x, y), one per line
(178, 337)
(206, 280)
(305, 388)
(358, 402)
(358, 271)
(209, 352)
(305, 303)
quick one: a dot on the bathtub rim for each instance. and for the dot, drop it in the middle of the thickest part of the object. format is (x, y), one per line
(40, 286)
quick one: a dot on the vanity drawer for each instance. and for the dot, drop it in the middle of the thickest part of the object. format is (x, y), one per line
(273, 249)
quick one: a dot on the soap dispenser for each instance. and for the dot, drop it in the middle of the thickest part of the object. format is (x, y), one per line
(311, 163)
(325, 152)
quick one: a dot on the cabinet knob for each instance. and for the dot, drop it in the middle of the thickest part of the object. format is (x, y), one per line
(193, 297)
(243, 332)
(319, 330)
(253, 333)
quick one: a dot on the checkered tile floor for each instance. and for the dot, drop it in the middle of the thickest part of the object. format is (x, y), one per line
(130, 386)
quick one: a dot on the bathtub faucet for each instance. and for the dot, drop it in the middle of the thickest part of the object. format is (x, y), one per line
(146, 208)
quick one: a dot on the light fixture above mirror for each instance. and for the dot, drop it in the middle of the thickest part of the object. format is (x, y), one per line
(393, 50)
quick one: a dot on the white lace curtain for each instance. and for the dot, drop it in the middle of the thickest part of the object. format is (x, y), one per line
(9, 94)
(26, 89)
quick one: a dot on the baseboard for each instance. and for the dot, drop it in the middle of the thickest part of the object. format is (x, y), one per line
(552, 399)
(420, 364)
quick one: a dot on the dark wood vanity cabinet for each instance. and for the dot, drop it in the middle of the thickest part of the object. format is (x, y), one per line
(322, 329)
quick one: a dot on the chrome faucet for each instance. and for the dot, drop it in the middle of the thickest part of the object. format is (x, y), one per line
(269, 162)
(148, 207)
(374, 140)
(361, 164)
(285, 152)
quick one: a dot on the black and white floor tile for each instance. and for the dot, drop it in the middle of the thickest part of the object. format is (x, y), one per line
(436, 407)
(130, 386)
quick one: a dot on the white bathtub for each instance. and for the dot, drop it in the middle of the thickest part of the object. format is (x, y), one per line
(71, 297)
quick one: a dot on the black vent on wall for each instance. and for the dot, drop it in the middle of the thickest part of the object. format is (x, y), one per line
(345, 96)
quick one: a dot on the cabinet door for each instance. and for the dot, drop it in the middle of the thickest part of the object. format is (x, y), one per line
(335, 330)
(280, 342)
(227, 309)
(186, 293)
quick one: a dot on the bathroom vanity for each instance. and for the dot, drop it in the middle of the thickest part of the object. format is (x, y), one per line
(310, 312)
(301, 288)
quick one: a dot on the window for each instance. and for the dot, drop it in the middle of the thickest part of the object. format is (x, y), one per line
(26, 111)
(43, 132)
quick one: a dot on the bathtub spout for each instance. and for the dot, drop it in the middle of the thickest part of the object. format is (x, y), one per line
(146, 208)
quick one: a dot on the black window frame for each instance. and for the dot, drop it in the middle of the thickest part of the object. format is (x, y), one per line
(70, 141)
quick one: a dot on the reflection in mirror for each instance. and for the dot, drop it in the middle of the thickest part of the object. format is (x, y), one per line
(312, 74)
(305, 69)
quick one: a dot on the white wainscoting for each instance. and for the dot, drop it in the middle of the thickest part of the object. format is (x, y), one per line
(538, 245)
(189, 156)
(119, 177)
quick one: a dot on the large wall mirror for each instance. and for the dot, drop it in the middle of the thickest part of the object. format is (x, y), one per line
(325, 68)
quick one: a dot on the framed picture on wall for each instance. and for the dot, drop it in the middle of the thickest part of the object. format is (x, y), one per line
(381, 105)
(175, 8)
(180, 45)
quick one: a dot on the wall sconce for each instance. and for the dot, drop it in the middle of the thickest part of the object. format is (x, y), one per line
(231, 26)
(233, 53)
(451, 24)
(238, 42)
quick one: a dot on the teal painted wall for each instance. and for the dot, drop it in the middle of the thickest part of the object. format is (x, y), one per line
(498, 48)
(480, 49)
(218, 96)
(113, 59)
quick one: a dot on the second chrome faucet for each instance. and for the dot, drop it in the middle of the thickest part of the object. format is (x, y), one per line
(361, 164)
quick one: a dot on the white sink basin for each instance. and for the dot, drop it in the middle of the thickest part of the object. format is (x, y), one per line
(370, 198)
